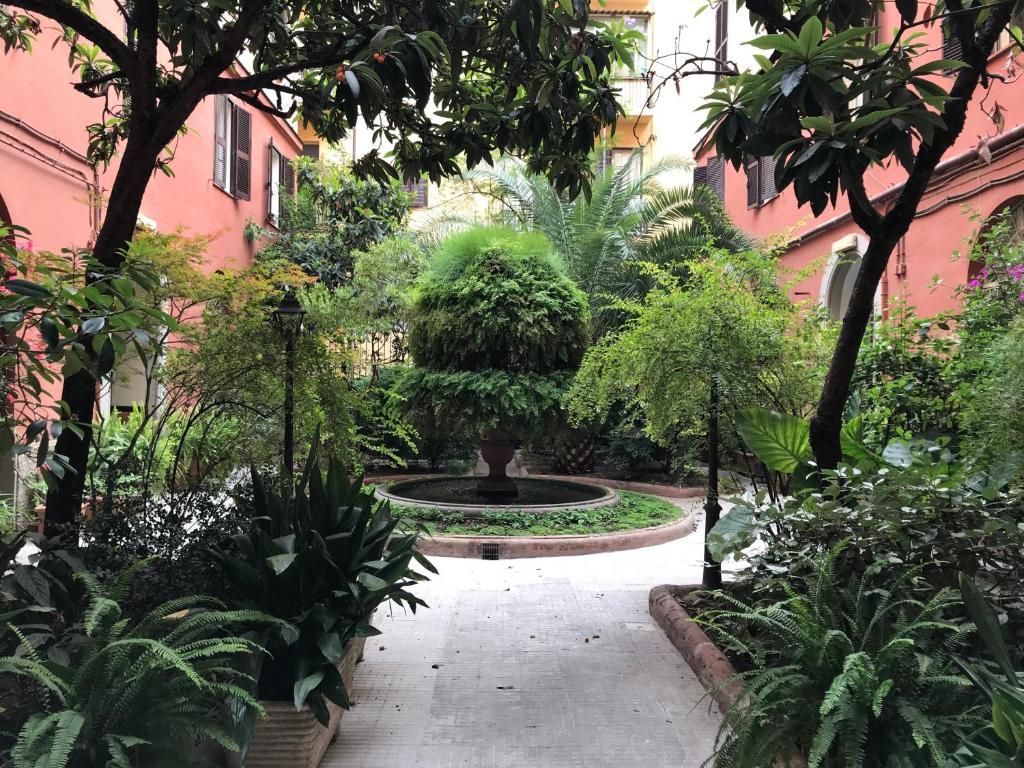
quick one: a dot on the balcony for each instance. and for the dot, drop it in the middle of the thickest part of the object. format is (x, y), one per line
(633, 95)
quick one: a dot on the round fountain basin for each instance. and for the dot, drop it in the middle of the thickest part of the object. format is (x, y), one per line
(459, 494)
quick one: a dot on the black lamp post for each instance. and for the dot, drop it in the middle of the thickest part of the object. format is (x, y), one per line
(712, 509)
(288, 316)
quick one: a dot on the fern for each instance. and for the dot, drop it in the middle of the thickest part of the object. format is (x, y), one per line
(137, 692)
(853, 672)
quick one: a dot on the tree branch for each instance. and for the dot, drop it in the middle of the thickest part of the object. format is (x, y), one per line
(75, 18)
(254, 101)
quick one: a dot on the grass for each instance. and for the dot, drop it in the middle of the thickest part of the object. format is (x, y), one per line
(633, 510)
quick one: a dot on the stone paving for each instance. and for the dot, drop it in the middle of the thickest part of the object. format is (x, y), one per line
(534, 663)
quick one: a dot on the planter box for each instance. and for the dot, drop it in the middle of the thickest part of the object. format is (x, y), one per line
(286, 737)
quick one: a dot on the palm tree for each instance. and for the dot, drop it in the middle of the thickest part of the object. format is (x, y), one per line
(630, 218)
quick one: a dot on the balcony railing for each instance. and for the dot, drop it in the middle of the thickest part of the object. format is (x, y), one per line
(633, 94)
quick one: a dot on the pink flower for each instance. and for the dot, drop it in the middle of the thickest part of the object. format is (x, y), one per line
(28, 246)
(1021, 297)
(1016, 272)
(974, 283)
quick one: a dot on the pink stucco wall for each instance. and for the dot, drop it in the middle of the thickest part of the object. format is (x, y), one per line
(54, 202)
(948, 218)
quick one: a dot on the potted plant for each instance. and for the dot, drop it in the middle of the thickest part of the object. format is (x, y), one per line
(323, 563)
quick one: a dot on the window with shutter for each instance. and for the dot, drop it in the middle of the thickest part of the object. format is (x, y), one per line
(766, 179)
(760, 180)
(221, 131)
(273, 185)
(753, 182)
(700, 176)
(721, 35)
(241, 146)
(716, 176)
(951, 48)
(287, 177)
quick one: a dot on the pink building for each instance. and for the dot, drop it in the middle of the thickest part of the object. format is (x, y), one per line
(982, 174)
(230, 168)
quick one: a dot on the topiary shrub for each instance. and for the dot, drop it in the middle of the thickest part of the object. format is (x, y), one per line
(496, 330)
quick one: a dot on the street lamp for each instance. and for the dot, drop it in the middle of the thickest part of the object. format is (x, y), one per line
(288, 316)
(712, 578)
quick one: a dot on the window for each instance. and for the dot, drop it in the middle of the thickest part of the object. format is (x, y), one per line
(418, 190)
(841, 282)
(232, 166)
(618, 157)
(721, 36)
(712, 176)
(280, 183)
(760, 180)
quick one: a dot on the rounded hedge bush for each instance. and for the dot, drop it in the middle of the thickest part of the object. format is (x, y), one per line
(496, 299)
(496, 331)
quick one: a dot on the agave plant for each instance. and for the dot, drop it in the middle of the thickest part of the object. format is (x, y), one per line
(135, 691)
(323, 562)
(630, 218)
(852, 673)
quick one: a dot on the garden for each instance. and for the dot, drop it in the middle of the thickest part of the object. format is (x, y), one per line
(193, 578)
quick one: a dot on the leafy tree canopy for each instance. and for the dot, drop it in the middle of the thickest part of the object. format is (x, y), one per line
(436, 79)
(333, 215)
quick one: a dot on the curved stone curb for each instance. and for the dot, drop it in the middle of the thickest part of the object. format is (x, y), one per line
(709, 664)
(509, 547)
(652, 489)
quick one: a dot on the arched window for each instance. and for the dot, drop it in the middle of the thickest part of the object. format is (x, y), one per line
(840, 275)
(1012, 213)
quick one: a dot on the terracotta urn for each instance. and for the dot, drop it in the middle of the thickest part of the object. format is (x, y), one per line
(497, 449)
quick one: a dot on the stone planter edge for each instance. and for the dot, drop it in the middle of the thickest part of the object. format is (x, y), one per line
(714, 671)
(287, 737)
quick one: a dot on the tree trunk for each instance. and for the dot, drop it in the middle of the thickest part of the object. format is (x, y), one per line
(79, 390)
(827, 421)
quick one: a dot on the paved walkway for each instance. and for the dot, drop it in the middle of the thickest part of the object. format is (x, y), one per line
(541, 663)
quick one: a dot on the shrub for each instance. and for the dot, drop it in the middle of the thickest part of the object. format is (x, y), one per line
(322, 562)
(850, 671)
(496, 329)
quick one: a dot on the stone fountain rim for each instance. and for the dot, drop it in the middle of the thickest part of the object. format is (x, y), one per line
(609, 498)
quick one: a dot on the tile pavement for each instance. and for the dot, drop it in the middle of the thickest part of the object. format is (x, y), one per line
(539, 663)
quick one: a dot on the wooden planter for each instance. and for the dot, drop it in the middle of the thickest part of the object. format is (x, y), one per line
(295, 738)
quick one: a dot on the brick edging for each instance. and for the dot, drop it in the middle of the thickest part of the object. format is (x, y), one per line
(510, 547)
(715, 672)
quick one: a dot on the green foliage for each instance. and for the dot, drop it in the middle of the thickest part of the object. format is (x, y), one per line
(629, 218)
(83, 324)
(633, 511)
(494, 299)
(828, 104)
(1001, 743)
(333, 216)
(496, 329)
(323, 562)
(726, 319)
(471, 402)
(135, 691)
(903, 379)
(851, 671)
(922, 510)
(993, 412)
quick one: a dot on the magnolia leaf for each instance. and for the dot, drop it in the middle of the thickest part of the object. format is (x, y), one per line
(281, 563)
